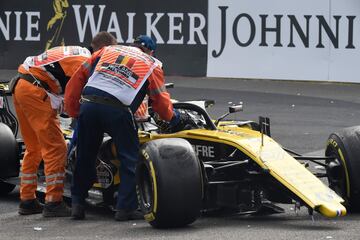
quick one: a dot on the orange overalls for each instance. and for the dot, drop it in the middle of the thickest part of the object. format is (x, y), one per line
(39, 125)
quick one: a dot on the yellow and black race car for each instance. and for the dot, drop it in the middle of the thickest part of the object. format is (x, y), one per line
(212, 166)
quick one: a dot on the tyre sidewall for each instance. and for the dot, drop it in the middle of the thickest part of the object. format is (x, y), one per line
(342, 146)
(176, 182)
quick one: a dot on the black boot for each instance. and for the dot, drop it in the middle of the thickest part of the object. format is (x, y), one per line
(77, 211)
(56, 209)
(125, 215)
(28, 207)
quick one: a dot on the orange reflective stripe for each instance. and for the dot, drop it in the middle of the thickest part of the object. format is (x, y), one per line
(28, 178)
(55, 175)
(28, 175)
(55, 182)
(34, 181)
(56, 178)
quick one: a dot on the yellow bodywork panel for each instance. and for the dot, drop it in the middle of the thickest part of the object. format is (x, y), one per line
(269, 155)
(4, 86)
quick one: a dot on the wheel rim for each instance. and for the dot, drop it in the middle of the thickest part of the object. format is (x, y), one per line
(336, 177)
(145, 188)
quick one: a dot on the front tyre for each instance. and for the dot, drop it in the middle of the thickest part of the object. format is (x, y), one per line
(343, 171)
(169, 183)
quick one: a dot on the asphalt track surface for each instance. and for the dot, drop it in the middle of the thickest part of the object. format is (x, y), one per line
(302, 114)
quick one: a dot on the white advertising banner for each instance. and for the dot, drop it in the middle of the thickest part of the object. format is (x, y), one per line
(284, 39)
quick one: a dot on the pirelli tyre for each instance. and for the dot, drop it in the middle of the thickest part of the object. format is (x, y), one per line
(169, 183)
(343, 170)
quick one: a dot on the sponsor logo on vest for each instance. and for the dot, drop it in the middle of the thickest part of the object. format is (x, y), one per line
(120, 70)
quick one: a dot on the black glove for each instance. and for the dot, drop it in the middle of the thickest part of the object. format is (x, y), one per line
(185, 123)
(164, 126)
(180, 121)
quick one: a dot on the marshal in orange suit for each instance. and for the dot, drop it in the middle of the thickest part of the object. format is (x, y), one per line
(37, 99)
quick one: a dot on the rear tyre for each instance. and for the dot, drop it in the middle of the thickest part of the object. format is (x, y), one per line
(343, 171)
(9, 157)
(6, 188)
(169, 183)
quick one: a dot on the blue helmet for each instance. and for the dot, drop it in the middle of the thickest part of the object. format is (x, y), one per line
(146, 41)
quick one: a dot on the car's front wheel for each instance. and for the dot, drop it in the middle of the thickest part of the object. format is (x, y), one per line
(344, 167)
(169, 183)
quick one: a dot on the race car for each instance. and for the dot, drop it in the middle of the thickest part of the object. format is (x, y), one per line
(210, 167)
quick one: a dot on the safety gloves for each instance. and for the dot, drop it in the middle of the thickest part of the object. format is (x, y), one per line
(180, 121)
